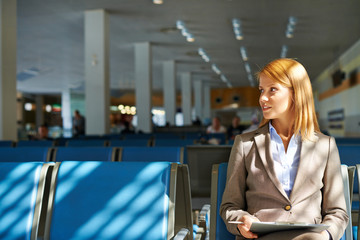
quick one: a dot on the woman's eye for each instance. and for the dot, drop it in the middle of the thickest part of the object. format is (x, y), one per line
(261, 90)
(273, 89)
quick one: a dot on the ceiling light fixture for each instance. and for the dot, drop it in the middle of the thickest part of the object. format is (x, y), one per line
(184, 31)
(284, 51)
(247, 68)
(225, 80)
(180, 24)
(291, 27)
(215, 69)
(243, 54)
(203, 54)
(237, 28)
(158, 1)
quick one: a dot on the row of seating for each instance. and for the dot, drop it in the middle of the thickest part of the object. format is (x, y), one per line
(95, 200)
(110, 154)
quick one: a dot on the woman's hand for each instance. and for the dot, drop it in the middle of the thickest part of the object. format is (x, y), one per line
(245, 227)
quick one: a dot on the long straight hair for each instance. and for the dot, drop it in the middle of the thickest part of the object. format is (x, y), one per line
(292, 74)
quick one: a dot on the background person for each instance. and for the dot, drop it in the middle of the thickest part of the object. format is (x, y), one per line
(78, 124)
(216, 126)
(235, 128)
(287, 170)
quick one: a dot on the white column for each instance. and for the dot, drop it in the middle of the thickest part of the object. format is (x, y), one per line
(8, 28)
(66, 112)
(186, 97)
(143, 86)
(207, 102)
(169, 75)
(39, 101)
(97, 87)
(198, 98)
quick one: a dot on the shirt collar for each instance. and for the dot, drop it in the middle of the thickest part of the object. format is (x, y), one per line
(274, 134)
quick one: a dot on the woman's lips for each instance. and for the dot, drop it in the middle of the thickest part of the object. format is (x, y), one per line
(265, 108)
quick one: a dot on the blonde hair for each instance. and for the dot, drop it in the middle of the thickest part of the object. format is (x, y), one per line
(292, 74)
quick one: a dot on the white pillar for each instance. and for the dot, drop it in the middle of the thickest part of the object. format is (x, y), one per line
(169, 89)
(143, 86)
(8, 28)
(66, 112)
(207, 102)
(39, 101)
(97, 87)
(186, 97)
(198, 98)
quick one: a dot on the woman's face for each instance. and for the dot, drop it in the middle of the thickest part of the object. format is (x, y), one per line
(275, 99)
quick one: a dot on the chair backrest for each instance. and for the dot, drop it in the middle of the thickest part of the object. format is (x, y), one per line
(344, 172)
(85, 154)
(86, 143)
(21, 196)
(25, 154)
(39, 143)
(152, 154)
(147, 136)
(172, 142)
(6, 143)
(130, 143)
(350, 155)
(112, 200)
(200, 159)
(357, 183)
(218, 229)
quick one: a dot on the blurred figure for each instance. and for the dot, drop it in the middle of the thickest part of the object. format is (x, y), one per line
(78, 124)
(254, 125)
(216, 126)
(197, 122)
(41, 134)
(235, 128)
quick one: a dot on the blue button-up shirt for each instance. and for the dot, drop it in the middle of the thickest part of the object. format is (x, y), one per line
(286, 163)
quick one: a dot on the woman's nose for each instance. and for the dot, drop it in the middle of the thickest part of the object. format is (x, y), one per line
(263, 98)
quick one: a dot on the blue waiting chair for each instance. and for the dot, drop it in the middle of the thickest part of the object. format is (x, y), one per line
(218, 229)
(35, 143)
(22, 187)
(6, 143)
(86, 143)
(348, 235)
(115, 200)
(172, 142)
(85, 154)
(130, 143)
(152, 154)
(25, 154)
(350, 156)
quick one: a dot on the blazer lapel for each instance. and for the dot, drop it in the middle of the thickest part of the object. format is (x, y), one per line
(306, 158)
(262, 141)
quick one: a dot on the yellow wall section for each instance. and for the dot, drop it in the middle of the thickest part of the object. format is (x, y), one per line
(224, 97)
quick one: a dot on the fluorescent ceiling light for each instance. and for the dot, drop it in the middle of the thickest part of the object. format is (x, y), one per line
(247, 68)
(190, 38)
(157, 1)
(215, 69)
(284, 51)
(180, 24)
(243, 53)
(237, 28)
(291, 27)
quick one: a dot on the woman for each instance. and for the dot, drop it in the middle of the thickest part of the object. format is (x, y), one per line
(286, 170)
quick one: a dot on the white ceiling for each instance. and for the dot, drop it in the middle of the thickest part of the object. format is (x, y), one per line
(50, 38)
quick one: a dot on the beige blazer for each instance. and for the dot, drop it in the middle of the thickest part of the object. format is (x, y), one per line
(252, 186)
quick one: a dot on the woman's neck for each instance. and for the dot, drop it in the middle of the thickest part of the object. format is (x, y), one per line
(285, 130)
